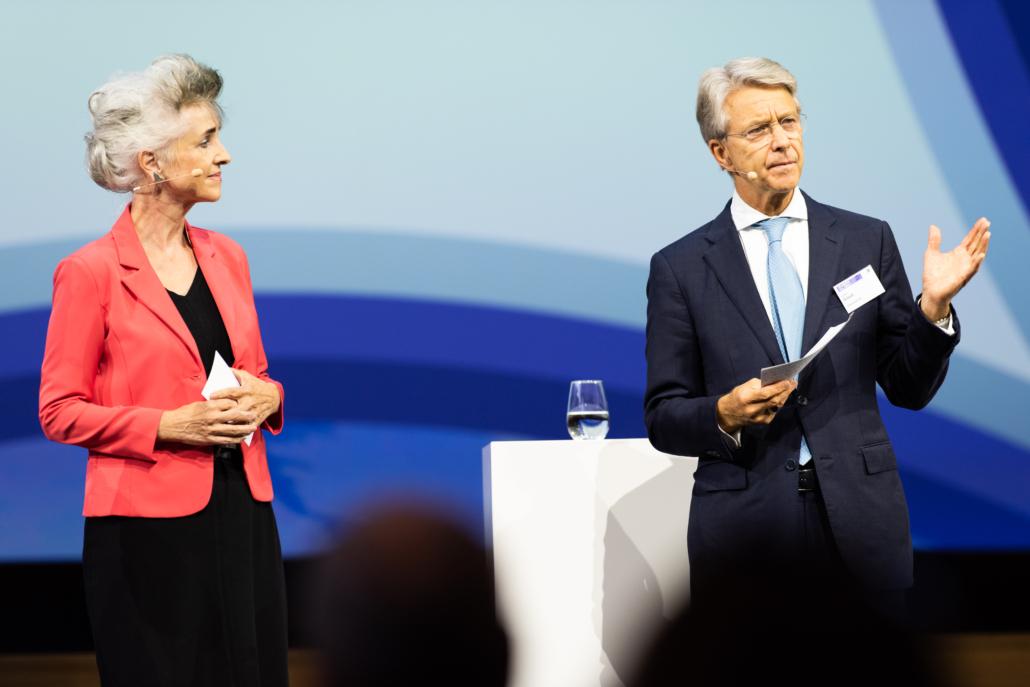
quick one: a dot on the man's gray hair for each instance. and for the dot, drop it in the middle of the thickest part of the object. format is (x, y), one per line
(718, 82)
(141, 111)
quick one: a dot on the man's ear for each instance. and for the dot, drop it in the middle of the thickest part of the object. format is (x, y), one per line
(719, 152)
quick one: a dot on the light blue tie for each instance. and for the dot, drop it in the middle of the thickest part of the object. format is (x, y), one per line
(788, 300)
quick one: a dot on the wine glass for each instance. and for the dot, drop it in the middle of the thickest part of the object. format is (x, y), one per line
(587, 416)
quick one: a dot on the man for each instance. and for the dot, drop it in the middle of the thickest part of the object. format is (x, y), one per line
(801, 474)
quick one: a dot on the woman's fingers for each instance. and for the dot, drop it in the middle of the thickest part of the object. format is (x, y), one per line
(237, 416)
(233, 393)
(218, 404)
(232, 431)
(242, 375)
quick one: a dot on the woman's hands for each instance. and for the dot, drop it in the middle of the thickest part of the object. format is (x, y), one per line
(226, 419)
(221, 422)
(254, 395)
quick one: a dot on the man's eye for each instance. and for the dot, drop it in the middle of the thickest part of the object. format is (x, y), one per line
(758, 131)
(203, 144)
(789, 122)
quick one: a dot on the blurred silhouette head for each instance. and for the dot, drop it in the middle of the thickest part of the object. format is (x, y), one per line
(408, 598)
(767, 626)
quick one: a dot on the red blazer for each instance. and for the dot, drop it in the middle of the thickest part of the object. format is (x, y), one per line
(118, 354)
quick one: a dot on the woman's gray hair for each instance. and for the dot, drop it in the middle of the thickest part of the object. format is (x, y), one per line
(141, 111)
(718, 82)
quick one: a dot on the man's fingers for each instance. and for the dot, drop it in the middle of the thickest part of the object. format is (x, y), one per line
(778, 401)
(933, 241)
(974, 236)
(766, 406)
(771, 407)
(969, 240)
(781, 399)
(984, 225)
(746, 392)
(760, 403)
(981, 247)
(980, 255)
(767, 393)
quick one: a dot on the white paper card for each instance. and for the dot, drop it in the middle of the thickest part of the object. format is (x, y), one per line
(221, 377)
(771, 375)
(858, 289)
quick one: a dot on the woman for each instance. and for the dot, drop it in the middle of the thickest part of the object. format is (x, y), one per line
(181, 558)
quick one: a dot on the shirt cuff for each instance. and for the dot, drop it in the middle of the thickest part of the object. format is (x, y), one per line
(733, 439)
(947, 327)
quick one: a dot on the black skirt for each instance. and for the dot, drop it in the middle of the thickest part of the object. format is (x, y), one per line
(194, 600)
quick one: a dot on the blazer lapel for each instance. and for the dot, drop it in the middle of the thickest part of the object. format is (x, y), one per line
(141, 279)
(824, 249)
(727, 260)
(219, 280)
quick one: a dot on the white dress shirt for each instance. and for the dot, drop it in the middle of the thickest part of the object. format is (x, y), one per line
(756, 245)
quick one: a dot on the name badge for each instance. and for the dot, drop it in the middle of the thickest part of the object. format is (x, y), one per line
(858, 289)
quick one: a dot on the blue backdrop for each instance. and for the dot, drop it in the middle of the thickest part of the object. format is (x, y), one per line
(449, 208)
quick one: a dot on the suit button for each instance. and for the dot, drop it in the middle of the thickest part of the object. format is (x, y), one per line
(712, 454)
(790, 465)
(802, 400)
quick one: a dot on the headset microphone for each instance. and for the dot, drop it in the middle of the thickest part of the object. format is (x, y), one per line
(750, 176)
(196, 172)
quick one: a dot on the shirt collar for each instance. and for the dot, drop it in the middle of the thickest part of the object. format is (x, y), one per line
(745, 216)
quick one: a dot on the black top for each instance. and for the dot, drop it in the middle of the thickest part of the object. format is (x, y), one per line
(200, 312)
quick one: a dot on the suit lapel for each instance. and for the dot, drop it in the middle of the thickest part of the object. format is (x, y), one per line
(219, 281)
(726, 259)
(824, 249)
(142, 281)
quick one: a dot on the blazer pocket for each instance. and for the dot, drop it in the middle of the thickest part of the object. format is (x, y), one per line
(719, 475)
(879, 458)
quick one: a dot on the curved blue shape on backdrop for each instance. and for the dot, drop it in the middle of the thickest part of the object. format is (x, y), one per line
(390, 392)
(995, 69)
(486, 277)
(971, 157)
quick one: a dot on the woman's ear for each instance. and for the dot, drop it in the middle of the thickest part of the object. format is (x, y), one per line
(148, 163)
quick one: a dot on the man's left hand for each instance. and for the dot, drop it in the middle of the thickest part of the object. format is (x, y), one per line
(944, 274)
(254, 394)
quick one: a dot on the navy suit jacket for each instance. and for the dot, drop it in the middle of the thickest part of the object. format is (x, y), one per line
(707, 332)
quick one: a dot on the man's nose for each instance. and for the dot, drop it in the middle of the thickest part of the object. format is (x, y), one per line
(780, 139)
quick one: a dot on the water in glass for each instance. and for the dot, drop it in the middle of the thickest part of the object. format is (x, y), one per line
(587, 416)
